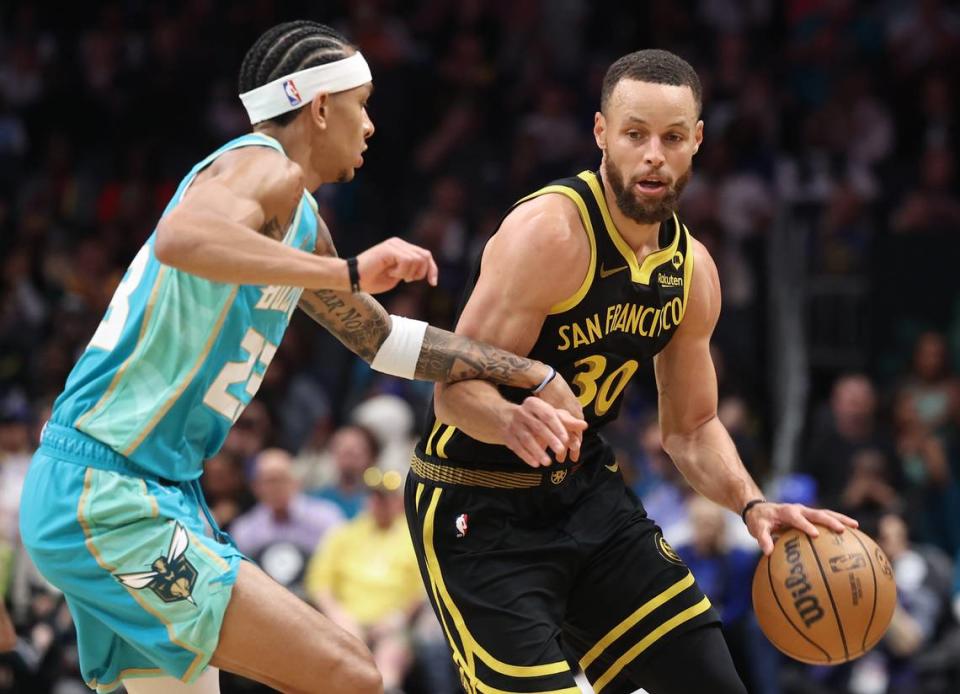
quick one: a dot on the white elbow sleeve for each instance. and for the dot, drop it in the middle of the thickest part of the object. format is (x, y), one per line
(400, 352)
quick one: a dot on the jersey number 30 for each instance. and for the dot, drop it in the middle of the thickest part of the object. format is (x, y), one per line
(610, 385)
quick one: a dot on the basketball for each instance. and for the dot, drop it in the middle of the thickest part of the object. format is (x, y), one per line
(824, 600)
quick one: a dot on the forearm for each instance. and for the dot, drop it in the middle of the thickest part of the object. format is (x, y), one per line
(362, 325)
(474, 407)
(708, 460)
(223, 251)
(448, 358)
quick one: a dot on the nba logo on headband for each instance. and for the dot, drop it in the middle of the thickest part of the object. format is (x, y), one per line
(293, 96)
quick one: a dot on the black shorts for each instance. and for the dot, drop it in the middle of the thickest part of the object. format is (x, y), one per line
(524, 567)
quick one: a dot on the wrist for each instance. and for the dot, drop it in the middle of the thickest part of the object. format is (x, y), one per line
(353, 274)
(547, 378)
(750, 505)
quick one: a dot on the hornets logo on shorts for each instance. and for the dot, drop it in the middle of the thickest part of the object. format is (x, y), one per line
(173, 576)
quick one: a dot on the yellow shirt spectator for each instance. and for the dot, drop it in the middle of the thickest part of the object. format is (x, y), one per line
(371, 571)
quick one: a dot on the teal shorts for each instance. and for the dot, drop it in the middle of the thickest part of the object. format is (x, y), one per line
(146, 586)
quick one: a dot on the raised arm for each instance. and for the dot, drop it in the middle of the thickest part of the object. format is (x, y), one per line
(230, 225)
(696, 441)
(537, 259)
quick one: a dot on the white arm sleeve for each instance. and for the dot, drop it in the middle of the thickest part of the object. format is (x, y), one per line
(400, 352)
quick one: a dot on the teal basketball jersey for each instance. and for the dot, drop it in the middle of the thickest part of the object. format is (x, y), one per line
(178, 357)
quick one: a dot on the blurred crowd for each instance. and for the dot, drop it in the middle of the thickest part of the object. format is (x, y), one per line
(843, 115)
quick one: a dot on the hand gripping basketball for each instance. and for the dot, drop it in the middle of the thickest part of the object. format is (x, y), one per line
(825, 599)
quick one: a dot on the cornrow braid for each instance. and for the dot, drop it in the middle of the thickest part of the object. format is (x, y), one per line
(287, 48)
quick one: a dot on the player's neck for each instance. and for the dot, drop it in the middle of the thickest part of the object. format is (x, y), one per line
(642, 238)
(296, 150)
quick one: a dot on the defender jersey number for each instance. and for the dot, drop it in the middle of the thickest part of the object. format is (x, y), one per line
(110, 328)
(218, 398)
(610, 385)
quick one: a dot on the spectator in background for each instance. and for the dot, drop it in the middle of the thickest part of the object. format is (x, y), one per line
(251, 433)
(8, 636)
(365, 577)
(931, 386)
(15, 451)
(849, 426)
(871, 490)
(933, 206)
(725, 574)
(225, 489)
(932, 492)
(285, 527)
(924, 578)
(354, 450)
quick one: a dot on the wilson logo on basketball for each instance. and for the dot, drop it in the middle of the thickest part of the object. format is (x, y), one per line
(807, 606)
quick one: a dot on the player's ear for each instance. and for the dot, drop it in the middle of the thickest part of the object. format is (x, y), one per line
(319, 109)
(600, 130)
(697, 136)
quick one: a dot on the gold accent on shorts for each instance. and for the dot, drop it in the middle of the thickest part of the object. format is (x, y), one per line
(474, 478)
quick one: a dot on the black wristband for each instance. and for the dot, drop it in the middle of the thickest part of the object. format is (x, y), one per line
(354, 272)
(750, 505)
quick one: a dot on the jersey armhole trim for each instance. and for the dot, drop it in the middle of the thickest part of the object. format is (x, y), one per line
(687, 269)
(573, 195)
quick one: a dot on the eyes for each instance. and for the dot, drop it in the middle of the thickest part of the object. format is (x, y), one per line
(674, 138)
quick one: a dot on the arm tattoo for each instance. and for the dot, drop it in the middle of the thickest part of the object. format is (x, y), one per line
(362, 324)
(357, 320)
(448, 357)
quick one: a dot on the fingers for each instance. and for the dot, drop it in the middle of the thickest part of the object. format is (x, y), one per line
(575, 427)
(524, 446)
(837, 522)
(765, 540)
(546, 426)
(410, 263)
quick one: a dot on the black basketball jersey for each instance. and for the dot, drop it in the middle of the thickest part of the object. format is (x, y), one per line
(625, 311)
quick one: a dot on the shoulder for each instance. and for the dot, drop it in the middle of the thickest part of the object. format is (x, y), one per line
(703, 301)
(540, 252)
(549, 222)
(260, 172)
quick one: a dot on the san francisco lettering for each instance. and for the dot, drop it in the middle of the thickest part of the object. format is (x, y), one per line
(635, 319)
(807, 606)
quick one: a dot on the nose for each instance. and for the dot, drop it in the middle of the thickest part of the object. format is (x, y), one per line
(653, 156)
(368, 128)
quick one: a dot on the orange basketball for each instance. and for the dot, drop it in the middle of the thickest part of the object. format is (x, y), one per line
(824, 600)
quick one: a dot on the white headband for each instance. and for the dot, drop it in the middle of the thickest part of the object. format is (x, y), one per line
(294, 90)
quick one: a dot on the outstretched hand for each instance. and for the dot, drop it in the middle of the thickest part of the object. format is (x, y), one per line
(768, 519)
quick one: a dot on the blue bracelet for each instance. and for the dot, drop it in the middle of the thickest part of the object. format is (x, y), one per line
(546, 380)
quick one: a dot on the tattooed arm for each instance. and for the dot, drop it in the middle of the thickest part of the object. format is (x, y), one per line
(362, 324)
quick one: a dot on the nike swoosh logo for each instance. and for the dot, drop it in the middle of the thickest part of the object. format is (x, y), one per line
(604, 273)
(613, 468)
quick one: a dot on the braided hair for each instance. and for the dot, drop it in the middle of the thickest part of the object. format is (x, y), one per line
(287, 48)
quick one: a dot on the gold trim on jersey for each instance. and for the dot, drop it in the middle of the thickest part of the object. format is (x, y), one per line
(640, 272)
(578, 200)
(687, 270)
(472, 649)
(474, 478)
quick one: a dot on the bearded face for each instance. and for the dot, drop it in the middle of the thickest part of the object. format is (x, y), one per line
(646, 198)
(649, 133)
